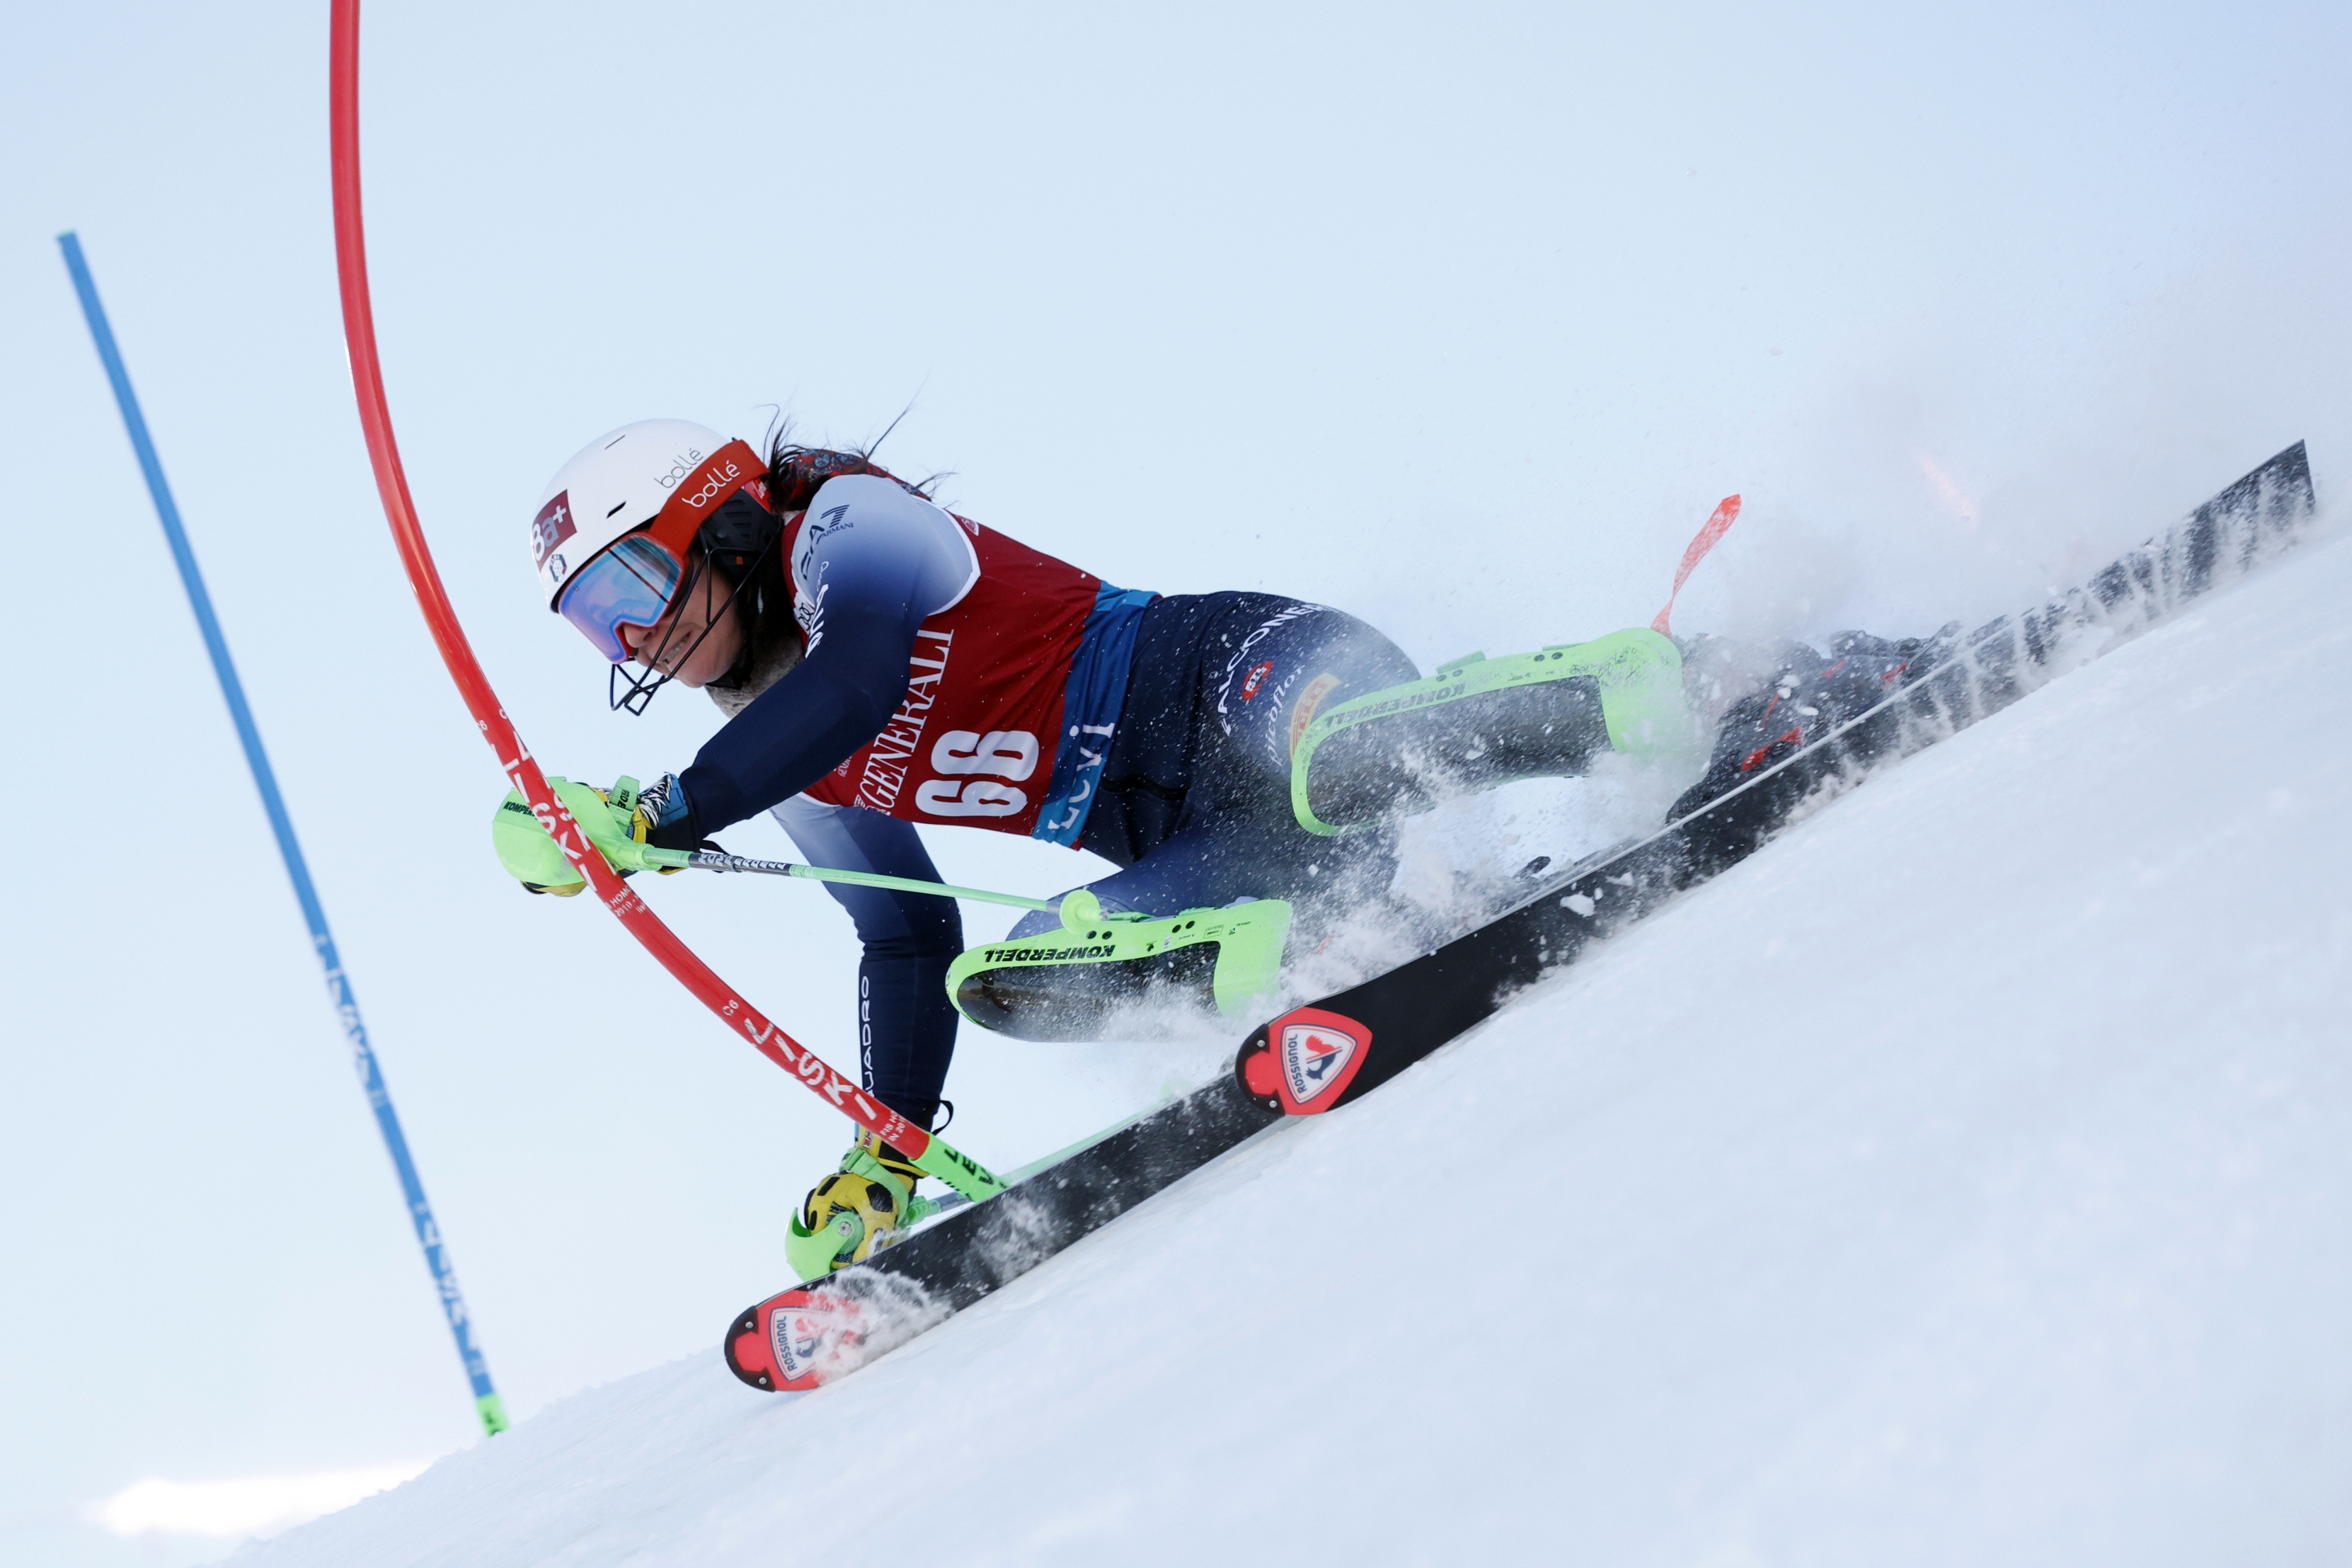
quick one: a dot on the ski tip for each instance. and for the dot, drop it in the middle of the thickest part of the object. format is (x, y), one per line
(747, 1353)
(795, 1342)
(1259, 1078)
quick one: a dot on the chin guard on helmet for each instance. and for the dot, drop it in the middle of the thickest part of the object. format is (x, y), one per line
(740, 533)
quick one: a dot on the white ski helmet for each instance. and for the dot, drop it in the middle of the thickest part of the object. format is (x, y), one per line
(658, 478)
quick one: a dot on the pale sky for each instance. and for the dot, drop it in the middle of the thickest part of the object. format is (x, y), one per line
(1462, 318)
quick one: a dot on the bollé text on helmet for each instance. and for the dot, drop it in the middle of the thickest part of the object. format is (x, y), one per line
(680, 468)
(719, 479)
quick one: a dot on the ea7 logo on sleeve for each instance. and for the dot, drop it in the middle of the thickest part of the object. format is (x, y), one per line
(551, 527)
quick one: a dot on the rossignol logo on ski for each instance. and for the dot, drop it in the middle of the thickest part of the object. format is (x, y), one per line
(1314, 1059)
(802, 1333)
(1308, 1058)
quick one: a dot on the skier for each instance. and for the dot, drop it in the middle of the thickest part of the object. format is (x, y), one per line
(882, 662)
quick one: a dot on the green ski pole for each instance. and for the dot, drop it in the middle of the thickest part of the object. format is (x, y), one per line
(716, 860)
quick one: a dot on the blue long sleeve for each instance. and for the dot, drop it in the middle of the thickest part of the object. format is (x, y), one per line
(872, 562)
(808, 724)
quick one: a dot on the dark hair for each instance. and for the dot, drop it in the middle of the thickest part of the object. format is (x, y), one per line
(796, 473)
(796, 469)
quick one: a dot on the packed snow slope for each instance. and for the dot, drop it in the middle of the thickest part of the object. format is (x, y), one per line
(1966, 1179)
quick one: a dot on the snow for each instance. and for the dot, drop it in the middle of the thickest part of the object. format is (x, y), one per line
(1965, 1179)
(245, 1506)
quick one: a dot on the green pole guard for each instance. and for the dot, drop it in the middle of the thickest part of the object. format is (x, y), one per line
(959, 1170)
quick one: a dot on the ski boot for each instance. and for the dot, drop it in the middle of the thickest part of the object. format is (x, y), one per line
(1074, 981)
(1809, 698)
(857, 1211)
(1481, 721)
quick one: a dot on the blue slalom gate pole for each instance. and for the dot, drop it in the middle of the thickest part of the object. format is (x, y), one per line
(487, 1403)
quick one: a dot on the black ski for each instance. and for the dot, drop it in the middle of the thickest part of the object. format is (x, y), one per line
(1315, 1058)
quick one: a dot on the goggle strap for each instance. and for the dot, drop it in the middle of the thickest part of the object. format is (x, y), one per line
(732, 468)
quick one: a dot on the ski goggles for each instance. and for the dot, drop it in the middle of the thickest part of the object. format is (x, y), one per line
(629, 584)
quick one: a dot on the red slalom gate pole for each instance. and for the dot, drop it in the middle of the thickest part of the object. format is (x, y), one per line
(931, 1154)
